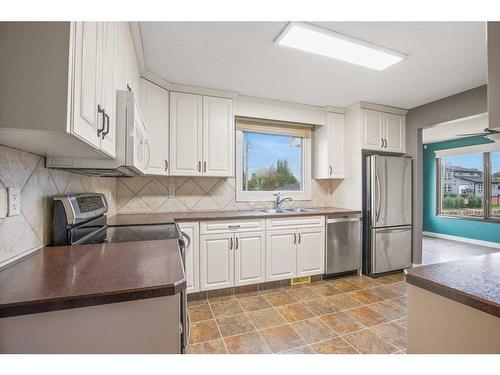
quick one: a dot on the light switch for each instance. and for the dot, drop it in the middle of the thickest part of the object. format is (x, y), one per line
(14, 198)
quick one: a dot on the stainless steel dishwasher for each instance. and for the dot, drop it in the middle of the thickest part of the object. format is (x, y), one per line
(343, 244)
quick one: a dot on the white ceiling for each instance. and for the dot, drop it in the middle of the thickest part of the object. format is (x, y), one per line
(444, 58)
(450, 130)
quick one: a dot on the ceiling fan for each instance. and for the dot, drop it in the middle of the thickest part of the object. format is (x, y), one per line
(494, 134)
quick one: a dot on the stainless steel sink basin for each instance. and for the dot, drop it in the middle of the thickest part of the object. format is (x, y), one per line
(287, 210)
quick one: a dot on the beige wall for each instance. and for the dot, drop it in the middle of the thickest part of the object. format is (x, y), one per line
(467, 103)
(19, 235)
(151, 194)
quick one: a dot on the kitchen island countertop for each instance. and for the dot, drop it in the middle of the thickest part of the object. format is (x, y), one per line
(474, 281)
(64, 277)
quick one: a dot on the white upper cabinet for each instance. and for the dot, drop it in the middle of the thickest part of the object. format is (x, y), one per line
(79, 66)
(218, 136)
(154, 106)
(87, 119)
(382, 131)
(108, 85)
(94, 84)
(201, 135)
(329, 148)
(395, 132)
(372, 129)
(249, 258)
(186, 148)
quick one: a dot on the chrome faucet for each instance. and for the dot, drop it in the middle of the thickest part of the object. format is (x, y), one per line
(280, 200)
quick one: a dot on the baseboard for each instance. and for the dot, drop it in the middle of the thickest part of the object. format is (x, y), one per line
(495, 245)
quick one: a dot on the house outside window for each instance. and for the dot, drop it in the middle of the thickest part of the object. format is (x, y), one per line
(272, 157)
(468, 184)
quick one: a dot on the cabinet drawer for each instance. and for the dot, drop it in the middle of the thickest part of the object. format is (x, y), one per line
(230, 226)
(295, 222)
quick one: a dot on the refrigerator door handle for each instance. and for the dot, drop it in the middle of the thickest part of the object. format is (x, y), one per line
(377, 197)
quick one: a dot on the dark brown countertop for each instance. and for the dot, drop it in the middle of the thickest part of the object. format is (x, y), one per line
(472, 281)
(64, 277)
(161, 218)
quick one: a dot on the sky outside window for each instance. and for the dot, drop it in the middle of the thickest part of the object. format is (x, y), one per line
(271, 162)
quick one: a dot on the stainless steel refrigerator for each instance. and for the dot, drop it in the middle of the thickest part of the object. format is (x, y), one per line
(388, 210)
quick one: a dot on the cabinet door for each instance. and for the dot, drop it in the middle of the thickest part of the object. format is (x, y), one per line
(372, 129)
(310, 251)
(336, 144)
(86, 82)
(108, 86)
(192, 256)
(281, 260)
(394, 132)
(249, 258)
(218, 137)
(154, 106)
(185, 134)
(216, 261)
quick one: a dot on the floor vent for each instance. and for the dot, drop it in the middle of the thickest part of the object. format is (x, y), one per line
(300, 280)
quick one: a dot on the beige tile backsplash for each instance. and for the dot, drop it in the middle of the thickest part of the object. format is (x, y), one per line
(19, 235)
(151, 194)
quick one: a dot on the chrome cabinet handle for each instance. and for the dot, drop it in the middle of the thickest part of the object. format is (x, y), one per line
(234, 226)
(382, 142)
(199, 166)
(106, 116)
(231, 243)
(166, 165)
(101, 110)
(300, 238)
(331, 170)
(385, 140)
(294, 238)
(237, 243)
(204, 166)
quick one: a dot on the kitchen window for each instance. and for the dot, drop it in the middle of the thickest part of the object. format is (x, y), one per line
(468, 183)
(272, 157)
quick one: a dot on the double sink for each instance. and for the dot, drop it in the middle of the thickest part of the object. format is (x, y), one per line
(287, 210)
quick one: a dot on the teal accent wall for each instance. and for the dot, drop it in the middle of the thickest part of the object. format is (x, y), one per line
(478, 230)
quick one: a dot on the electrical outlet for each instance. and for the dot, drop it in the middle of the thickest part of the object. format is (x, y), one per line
(14, 198)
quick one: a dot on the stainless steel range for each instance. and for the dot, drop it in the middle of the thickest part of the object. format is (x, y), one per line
(81, 219)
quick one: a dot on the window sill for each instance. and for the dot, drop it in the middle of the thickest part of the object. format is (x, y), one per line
(469, 218)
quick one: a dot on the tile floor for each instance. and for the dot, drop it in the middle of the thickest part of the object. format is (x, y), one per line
(349, 315)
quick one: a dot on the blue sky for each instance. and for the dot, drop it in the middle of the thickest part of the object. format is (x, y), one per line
(267, 149)
(475, 161)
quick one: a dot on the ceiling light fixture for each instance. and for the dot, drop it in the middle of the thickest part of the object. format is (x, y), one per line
(320, 41)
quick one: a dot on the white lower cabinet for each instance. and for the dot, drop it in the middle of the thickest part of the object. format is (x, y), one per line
(192, 256)
(310, 251)
(231, 255)
(216, 261)
(281, 260)
(249, 258)
(294, 253)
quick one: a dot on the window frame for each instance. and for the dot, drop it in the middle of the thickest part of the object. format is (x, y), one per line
(257, 196)
(486, 193)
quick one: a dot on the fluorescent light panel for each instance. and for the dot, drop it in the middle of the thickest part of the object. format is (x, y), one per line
(328, 43)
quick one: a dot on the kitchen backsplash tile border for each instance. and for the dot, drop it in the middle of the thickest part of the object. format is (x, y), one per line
(191, 194)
